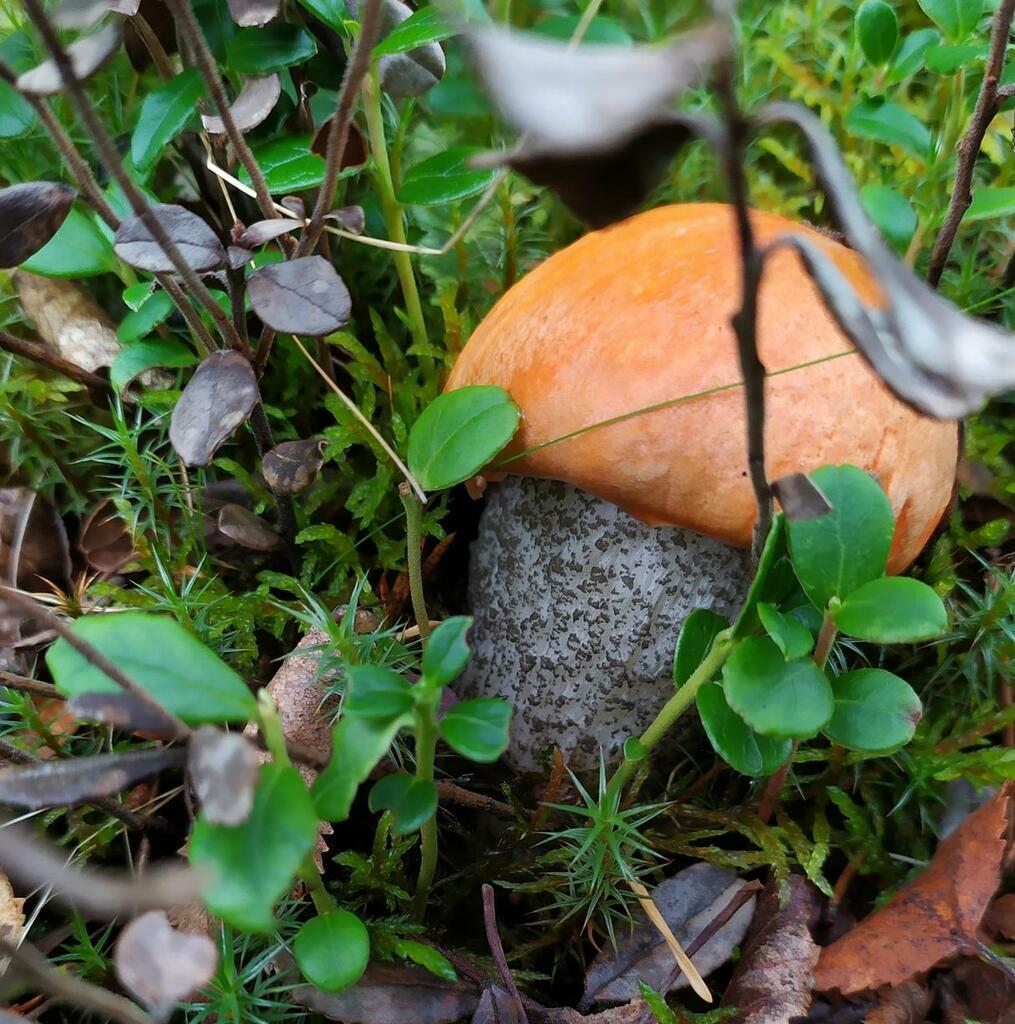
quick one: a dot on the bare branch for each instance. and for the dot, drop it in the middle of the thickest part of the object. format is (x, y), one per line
(38, 353)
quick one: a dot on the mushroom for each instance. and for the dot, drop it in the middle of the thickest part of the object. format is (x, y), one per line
(593, 552)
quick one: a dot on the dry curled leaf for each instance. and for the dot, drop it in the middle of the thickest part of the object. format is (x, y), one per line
(33, 542)
(85, 13)
(223, 769)
(354, 155)
(87, 55)
(217, 399)
(772, 982)
(932, 918)
(907, 1004)
(301, 296)
(30, 214)
(265, 230)
(1000, 917)
(349, 218)
(496, 1007)
(292, 466)
(103, 539)
(254, 102)
(253, 12)
(242, 527)
(161, 965)
(197, 243)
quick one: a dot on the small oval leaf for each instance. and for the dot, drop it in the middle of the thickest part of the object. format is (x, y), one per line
(197, 243)
(875, 711)
(892, 610)
(30, 215)
(301, 296)
(734, 740)
(332, 950)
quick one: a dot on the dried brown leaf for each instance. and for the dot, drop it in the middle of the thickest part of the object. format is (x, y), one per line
(496, 1007)
(33, 542)
(931, 919)
(242, 527)
(265, 230)
(87, 55)
(907, 1004)
(30, 214)
(254, 102)
(103, 539)
(349, 218)
(1000, 917)
(355, 154)
(292, 466)
(197, 243)
(300, 296)
(223, 770)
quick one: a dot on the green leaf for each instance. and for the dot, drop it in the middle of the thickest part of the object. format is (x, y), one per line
(444, 178)
(160, 655)
(956, 18)
(147, 355)
(427, 957)
(991, 203)
(155, 310)
(892, 610)
(875, 711)
(253, 864)
(164, 113)
(909, 57)
(78, 249)
(357, 744)
(840, 551)
(426, 25)
(377, 692)
(277, 45)
(332, 950)
(458, 433)
(16, 114)
(136, 295)
(331, 12)
(478, 728)
(288, 165)
(700, 628)
(734, 740)
(877, 30)
(773, 696)
(411, 801)
(447, 651)
(946, 60)
(892, 213)
(791, 636)
(887, 122)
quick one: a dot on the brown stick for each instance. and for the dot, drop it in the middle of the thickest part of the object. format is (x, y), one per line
(969, 146)
(38, 353)
(26, 685)
(497, 951)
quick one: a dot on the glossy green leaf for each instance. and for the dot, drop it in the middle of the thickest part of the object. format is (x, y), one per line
(376, 692)
(773, 696)
(458, 434)
(288, 165)
(160, 655)
(427, 25)
(147, 355)
(877, 30)
(891, 212)
(840, 551)
(910, 55)
(791, 636)
(16, 114)
(734, 740)
(357, 744)
(447, 651)
(875, 711)
(947, 59)
(331, 12)
(892, 610)
(253, 864)
(444, 178)
(332, 950)
(991, 203)
(700, 628)
(890, 123)
(156, 309)
(411, 801)
(136, 295)
(427, 957)
(164, 113)
(478, 728)
(956, 18)
(78, 249)
(277, 45)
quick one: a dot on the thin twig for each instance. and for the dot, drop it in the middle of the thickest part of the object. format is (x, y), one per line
(497, 951)
(92, 655)
(969, 146)
(26, 685)
(38, 353)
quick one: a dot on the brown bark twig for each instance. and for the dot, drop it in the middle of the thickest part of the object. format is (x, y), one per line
(26, 685)
(497, 951)
(38, 353)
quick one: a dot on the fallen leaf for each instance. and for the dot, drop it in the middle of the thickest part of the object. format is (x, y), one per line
(33, 542)
(12, 917)
(265, 230)
(124, 711)
(254, 102)
(907, 1004)
(301, 296)
(349, 218)
(160, 965)
(933, 917)
(988, 992)
(64, 783)
(355, 154)
(56, 719)
(197, 243)
(242, 527)
(772, 982)
(496, 1007)
(103, 539)
(87, 55)
(30, 214)
(1000, 917)
(217, 399)
(292, 466)
(688, 902)
(223, 769)
(253, 12)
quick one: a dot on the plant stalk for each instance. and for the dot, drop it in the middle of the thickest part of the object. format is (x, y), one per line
(426, 747)
(413, 540)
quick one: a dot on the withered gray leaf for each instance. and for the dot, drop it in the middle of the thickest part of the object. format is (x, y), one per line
(688, 901)
(254, 102)
(30, 215)
(104, 540)
(800, 497)
(122, 711)
(253, 12)
(70, 782)
(237, 256)
(301, 296)
(349, 218)
(223, 769)
(198, 244)
(496, 1007)
(934, 357)
(242, 527)
(354, 155)
(292, 466)
(262, 231)
(85, 13)
(160, 965)
(217, 399)
(87, 55)
(296, 206)
(405, 74)
(393, 994)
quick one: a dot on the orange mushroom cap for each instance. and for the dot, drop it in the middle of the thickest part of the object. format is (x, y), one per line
(639, 314)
